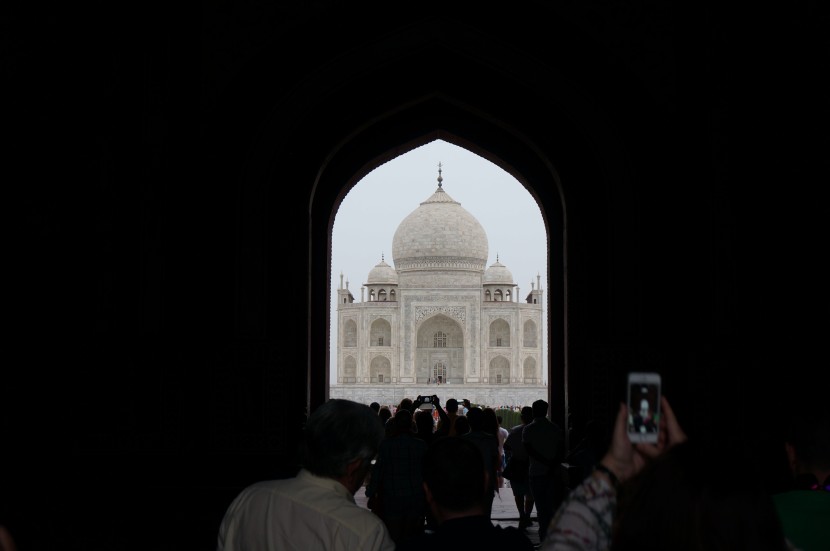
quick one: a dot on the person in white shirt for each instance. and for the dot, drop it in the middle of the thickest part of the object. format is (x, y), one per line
(316, 508)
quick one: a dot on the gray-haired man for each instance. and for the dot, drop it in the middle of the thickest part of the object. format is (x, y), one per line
(316, 508)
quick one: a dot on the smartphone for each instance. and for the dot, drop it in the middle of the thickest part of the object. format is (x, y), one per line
(644, 389)
(426, 402)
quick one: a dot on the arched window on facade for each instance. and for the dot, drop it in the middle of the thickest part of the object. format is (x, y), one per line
(380, 333)
(380, 370)
(497, 296)
(499, 333)
(529, 370)
(382, 295)
(499, 370)
(529, 334)
(350, 370)
(350, 334)
(392, 295)
(439, 340)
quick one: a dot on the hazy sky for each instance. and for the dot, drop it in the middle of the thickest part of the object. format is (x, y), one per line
(369, 215)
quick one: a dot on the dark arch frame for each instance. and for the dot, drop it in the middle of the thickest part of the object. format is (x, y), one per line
(552, 139)
(436, 117)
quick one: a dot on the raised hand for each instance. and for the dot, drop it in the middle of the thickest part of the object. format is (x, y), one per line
(670, 433)
(626, 459)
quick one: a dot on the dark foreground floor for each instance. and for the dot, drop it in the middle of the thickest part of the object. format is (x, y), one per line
(504, 512)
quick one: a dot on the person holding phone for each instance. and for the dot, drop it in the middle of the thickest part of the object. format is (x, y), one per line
(446, 426)
(664, 495)
(596, 497)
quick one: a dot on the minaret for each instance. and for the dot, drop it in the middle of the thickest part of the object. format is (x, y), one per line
(344, 296)
(535, 296)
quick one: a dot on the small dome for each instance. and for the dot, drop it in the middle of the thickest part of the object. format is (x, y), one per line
(497, 274)
(382, 274)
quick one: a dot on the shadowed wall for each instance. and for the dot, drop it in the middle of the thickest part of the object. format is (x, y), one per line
(178, 184)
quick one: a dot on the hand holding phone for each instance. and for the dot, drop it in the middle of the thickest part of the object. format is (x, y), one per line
(424, 402)
(643, 399)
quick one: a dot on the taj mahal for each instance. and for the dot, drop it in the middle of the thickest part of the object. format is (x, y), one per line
(438, 322)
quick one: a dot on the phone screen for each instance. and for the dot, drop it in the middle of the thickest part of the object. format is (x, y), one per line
(644, 406)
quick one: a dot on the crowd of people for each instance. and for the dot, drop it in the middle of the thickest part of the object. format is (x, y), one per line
(463, 404)
(431, 471)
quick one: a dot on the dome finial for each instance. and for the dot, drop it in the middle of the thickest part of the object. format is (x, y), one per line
(381, 257)
(497, 257)
(440, 179)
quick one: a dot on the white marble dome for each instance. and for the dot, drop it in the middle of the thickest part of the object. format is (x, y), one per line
(440, 234)
(497, 274)
(382, 274)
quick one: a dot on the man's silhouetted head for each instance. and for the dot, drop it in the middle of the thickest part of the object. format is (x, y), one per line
(540, 408)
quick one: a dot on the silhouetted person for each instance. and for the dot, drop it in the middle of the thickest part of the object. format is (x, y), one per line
(488, 444)
(519, 463)
(396, 480)
(316, 508)
(544, 442)
(461, 425)
(447, 428)
(428, 433)
(407, 403)
(502, 436)
(425, 422)
(384, 414)
(455, 484)
(805, 509)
